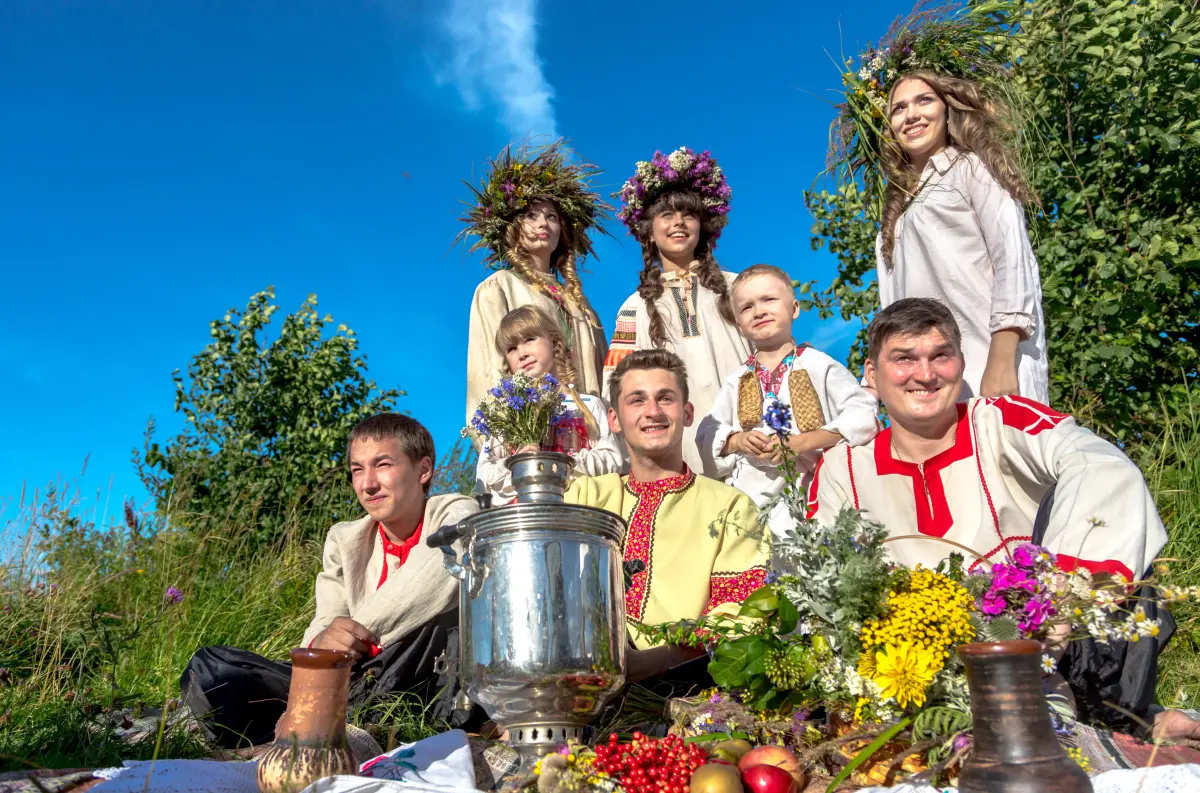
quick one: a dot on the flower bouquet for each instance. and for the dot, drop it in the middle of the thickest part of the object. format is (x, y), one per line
(518, 412)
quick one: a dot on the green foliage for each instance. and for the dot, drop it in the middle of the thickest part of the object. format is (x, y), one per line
(266, 422)
(940, 721)
(1113, 94)
(456, 471)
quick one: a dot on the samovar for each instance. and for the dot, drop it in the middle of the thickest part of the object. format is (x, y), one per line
(541, 607)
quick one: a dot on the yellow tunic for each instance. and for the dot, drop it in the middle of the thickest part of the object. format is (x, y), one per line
(700, 540)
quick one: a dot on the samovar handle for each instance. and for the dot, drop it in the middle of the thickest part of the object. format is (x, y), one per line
(444, 538)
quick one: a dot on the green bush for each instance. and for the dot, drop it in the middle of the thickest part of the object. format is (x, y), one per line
(266, 422)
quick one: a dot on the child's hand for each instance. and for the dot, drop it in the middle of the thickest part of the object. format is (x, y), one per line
(752, 443)
(529, 447)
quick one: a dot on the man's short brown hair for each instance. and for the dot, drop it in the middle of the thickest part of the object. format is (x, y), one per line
(911, 316)
(761, 269)
(648, 359)
(415, 441)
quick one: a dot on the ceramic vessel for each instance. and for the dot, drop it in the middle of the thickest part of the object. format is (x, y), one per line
(310, 741)
(1015, 749)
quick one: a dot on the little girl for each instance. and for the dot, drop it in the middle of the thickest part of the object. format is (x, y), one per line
(531, 342)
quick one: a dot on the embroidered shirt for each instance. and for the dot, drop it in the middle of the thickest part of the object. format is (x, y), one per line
(698, 539)
(772, 381)
(984, 491)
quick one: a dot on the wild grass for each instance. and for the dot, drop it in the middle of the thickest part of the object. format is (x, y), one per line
(86, 627)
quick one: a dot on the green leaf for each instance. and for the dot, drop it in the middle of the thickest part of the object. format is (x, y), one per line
(1094, 50)
(732, 660)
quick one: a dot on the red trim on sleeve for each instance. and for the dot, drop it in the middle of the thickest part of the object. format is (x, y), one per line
(1026, 415)
(1111, 566)
(733, 587)
(929, 496)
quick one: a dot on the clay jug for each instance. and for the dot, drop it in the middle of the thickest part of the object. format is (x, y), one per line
(1015, 749)
(310, 741)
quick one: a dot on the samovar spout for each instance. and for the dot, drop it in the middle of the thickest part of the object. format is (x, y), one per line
(444, 538)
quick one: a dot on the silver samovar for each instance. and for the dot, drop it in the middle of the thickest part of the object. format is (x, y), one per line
(541, 607)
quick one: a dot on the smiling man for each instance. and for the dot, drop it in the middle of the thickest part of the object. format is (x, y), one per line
(382, 595)
(695, 542)
(990, 474)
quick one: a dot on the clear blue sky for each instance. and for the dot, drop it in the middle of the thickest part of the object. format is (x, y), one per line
(162, 161)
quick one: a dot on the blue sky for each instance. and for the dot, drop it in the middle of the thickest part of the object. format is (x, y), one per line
(161, 162)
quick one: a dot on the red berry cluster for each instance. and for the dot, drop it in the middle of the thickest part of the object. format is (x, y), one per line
(650, 765)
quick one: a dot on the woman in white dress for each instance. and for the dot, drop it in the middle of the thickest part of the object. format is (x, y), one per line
(954, 229)
(533, 213)
(676, 206)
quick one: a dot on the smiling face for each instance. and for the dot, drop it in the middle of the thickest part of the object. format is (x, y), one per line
(676, 233)
(918, 119)
(386, 481)
(918, 377)
(541, 227)
(765, 307)
(533, 355)
(651, 413)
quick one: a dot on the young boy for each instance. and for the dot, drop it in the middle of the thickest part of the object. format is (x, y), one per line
(383, 594)
(827, 403)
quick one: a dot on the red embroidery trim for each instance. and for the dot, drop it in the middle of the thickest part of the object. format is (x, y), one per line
(850, 470)
(733, 587)
(933, 512)
(987, 492)
(639, 540)
(1026, 415)
(1002, 546)
(813, 503)
(1111, 566)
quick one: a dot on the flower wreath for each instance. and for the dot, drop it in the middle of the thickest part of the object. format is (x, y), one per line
(682, 170)
(517, 178)
(933, 39)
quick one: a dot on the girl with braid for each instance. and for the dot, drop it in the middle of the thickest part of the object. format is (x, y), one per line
(533, 213)
(676, 206)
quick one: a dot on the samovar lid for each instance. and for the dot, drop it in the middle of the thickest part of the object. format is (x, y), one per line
(564, 519)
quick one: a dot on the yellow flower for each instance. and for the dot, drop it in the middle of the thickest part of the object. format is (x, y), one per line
(903, 672)
(858, 708)
(866, 664)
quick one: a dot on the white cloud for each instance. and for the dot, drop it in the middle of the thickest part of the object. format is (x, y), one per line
(834, 333)
(493, 59)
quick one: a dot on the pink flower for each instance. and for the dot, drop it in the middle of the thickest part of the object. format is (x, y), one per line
(992, 604)
(1026, 555)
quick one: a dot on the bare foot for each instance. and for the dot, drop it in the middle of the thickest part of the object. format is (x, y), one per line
(1176, 726)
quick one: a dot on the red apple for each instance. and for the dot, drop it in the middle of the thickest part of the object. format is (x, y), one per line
(776, 756)
(768, 779)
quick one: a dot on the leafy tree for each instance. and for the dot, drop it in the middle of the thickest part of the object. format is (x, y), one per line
(456, 471)
(1114, 98)
(266, 421)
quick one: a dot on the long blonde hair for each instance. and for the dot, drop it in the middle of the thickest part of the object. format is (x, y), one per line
(528, 321)
(975, 122)
(562, 262)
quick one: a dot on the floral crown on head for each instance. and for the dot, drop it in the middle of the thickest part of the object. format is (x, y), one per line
(933, 38)
(683, 170)
(518, 177)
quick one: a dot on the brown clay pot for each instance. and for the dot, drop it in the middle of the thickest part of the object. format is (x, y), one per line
(1015, 749)
(310, 742)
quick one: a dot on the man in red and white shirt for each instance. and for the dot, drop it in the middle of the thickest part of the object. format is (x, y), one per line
(986, 475)
(974, 473)
(382, 595)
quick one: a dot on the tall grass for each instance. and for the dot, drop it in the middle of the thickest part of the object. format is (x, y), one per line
(86, 627)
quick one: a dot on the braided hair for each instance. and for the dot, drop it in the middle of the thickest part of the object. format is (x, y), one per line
(562, 261)
(708, 272)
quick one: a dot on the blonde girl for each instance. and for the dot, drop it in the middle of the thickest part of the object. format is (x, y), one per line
(529, 341)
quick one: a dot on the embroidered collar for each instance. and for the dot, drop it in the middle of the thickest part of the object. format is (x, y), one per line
(667, 485)
(887, 463)
(679, 275)
(772, 381)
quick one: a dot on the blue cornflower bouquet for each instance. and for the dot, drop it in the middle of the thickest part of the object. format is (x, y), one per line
(517, 412)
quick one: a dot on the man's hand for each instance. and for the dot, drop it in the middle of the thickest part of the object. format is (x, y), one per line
(1000, 374)
(347, 635)
(751, 444)
(642, 664)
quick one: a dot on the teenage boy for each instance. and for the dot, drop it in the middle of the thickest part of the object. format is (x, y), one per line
(693, 541)
(825, 401)
(383, 595)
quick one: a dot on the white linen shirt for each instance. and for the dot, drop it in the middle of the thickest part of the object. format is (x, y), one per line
(848, 410)
(963, 240)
